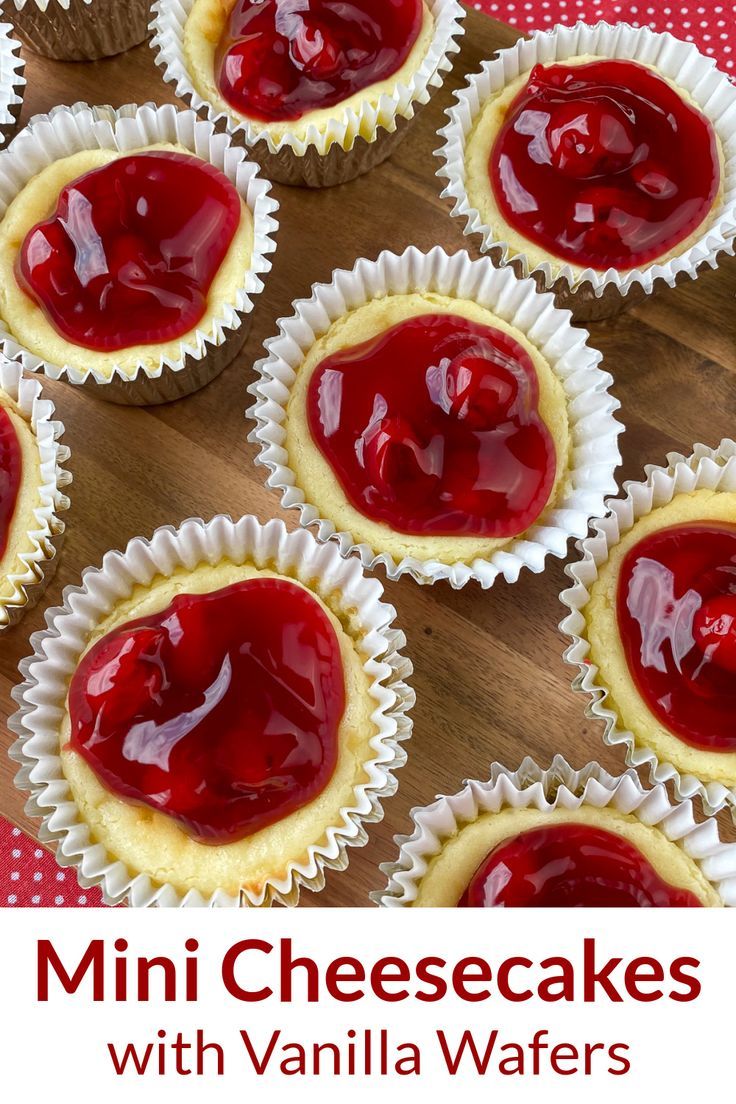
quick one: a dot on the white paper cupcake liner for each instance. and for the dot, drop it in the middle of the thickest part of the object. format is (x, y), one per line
(682, 63)
(65, 131)
(559, 787)
(40, 558)
(80, 30)
(712, 469)
(12, 82)
(322, 157)
(594, 429)
(57, 649)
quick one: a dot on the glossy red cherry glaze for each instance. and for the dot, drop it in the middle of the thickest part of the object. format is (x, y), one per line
(277, 60)
(130, 253)
(604, 164)
(11, 472)
(676, 611)
(222, 711)
(433, 427)
(570, 866)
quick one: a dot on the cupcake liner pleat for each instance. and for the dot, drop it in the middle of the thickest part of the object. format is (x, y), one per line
(12, 83)
(80, 30)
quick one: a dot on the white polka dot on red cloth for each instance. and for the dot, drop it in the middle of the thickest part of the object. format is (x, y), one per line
(30, 876)
(714, 35)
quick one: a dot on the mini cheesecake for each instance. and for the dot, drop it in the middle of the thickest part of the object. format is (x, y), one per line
(217, 724)
(111, 259)
(596, 163)
(661, 623)
(20, 482)
(427, 426)
(562, 858)
(289, 69)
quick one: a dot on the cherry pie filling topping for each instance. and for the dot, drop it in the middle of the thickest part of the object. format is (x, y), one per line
(433, 427)
(221, 711)
(570, 866)
(278, 60)
(676, 612)
(130, 253)
(604, 164)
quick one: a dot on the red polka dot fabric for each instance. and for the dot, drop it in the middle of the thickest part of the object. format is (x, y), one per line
(710, 25)
(29, 875)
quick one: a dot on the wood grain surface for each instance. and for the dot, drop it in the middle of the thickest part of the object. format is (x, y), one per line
(490, 680)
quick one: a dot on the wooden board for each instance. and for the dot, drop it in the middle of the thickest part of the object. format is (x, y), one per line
(489, 675)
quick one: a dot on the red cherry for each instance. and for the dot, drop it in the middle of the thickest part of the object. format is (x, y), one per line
(315, 51)
(653, 180)
(226, 745)
(128, 248)
(479, 391)
(610, 218)
(246, 57)
(604, 203)
(587, 138)
(539, 79)
(187, 661)
(261, 66)
(714, 630)
(128, 265)
(132, 661)
(395, 458)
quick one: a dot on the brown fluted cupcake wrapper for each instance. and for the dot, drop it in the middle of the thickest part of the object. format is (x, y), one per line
(313, 169)
(12, 83)
(80, 30)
